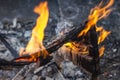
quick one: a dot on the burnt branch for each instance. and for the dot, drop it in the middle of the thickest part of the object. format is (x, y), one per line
(10, 64)
(56, 44)
(94, 53)
(53, 46)
(24, 71)
(7, 45)
(4, 63)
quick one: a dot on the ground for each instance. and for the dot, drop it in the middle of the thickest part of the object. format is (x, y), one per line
(75, 12)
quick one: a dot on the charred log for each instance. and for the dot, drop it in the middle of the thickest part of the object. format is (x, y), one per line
(10, 64)
(94, 53)
(24, 71)
(4, 63)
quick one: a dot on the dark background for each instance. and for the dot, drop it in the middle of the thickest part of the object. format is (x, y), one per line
(10, 9)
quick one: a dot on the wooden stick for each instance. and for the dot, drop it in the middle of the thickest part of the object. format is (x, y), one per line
(24, 71)
(94, 53)
(7, 45)
(56, 44)
(10, 64)
(4, 64)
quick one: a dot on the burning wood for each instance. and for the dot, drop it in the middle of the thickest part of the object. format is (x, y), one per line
(96, 14)
(80, 44)
(36, 41)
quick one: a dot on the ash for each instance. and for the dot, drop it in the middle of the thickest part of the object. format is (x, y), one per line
(17, 32)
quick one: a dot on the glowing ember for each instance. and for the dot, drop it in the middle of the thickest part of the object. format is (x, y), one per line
(80, 47)
(36, 41)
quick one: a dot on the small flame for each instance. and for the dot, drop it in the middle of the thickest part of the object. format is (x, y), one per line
(101, 51)
(36, 41)
(103, 35)
(69, 44)
(78, 47)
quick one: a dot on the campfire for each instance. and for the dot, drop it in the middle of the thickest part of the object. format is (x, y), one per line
(81, 44)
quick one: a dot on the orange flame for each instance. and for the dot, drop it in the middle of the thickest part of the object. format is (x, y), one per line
(96, 14)
(36, 41)
(101, 51)
(103, 34)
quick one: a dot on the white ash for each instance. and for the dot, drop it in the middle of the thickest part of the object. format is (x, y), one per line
(27, 34)
(6, 55)
(1, 25)
(4, 31)
(14, 33)
(29, 77)
(69, 70)
(7, 74)
(114, 50)
(2, 47)
(63, 27)
(48, 78)
(35, 77)
(14, 23)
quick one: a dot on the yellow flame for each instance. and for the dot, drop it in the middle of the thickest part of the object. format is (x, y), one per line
(36, 41)
(82, 48)
(96, 14)
(69, 44)
(103, 35)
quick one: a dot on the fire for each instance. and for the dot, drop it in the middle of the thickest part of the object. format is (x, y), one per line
(95, 15)
(78, 47)
(36, 41)
(101, 50)
(103, 34)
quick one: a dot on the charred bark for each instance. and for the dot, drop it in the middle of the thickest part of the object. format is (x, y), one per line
(94, 52)
(4, 64)
(10, 64)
